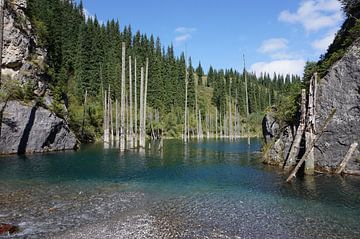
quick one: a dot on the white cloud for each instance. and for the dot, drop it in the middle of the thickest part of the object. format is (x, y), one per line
(323, 43)
(183, 30)
(315, 15)
(183, 34)
(272, 45)
(182, 38)
(280, 67)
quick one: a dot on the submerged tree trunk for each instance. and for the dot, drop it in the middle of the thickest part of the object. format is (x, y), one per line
(145, 100)
(131, 133)
(135, 107)
(346, 159)
(106, 119)
(2, 2)
(117, 132)
(312, 144)
(84, 114)
(295, 148)
(186, 105)
(141, 138)
(122, 103)
(310, 128)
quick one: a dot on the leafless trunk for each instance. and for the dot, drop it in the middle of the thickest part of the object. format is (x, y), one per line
(111, 122)
(2, 2)
(200, 133)
(106, 119)
(310, 128)
(122, 103)
(141, 138)
(295, 148)
(84, 114)
(310, 148)
(346, 159)
(145, 99)
(117, 132)
(131, 133)
(246, 90)
(230, 115)
(186, 105)
(135, 108)
(216, 122)
(207, 125)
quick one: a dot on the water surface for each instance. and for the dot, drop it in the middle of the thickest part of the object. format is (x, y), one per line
(209, 189)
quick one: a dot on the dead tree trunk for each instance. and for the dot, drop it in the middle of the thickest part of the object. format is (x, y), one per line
(2, 2)
(135, 108)
(106, 119)
(308, 150)
(346, 159)
(310, 128)
(216, 122)
(111, 122)
(117, 132)
(131, 133)
(84, 114)
(200, 134)
(145, 99)
(122, 103)
(141, 141)
(186, 104)
(295, 148)
(246, 90)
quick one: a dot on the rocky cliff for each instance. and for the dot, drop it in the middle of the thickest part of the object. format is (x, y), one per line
(339, 89)
(28, 127)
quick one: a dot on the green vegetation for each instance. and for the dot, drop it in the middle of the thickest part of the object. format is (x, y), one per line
(349, 32)
(85, 55)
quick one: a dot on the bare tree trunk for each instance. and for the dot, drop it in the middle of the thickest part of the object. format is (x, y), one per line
(145, 98)
(117, 132)
(186, 105)
(207, 119)
(111, 122)
(246, 91)
(122, 103)
(84, 114)
(136, 105)
(230, 115)
(106, 119)
(216, 122)
(131, 133)
(200, 134)
(2, 2)
(295, 148)
(310, 129)
(346, 159)
(308, 150)
(141, 138)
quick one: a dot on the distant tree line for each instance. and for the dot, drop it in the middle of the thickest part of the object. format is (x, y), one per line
(85, 55)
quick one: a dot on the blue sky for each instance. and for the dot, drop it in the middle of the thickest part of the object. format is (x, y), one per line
(276, 35)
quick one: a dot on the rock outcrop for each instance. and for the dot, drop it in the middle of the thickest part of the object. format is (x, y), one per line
(339, 89)
(30, 128)
(277, 139)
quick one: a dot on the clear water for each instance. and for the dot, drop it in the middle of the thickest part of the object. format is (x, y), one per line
(209, 189)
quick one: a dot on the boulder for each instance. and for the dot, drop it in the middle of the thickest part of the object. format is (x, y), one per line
(30, 128)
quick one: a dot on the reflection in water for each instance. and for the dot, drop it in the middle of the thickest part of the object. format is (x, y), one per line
(211, 188)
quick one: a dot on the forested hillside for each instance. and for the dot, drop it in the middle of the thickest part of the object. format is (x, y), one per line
(85, 55)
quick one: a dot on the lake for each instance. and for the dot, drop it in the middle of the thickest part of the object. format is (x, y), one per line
(208, 189)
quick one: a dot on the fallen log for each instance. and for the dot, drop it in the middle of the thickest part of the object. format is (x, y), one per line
(346, 159)
(308, 150)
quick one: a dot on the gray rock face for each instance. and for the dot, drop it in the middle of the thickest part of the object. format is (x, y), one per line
(33, 129)
(278, 140)
(22, 59)
(339, 89)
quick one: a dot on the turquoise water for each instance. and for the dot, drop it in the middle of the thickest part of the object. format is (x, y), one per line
(209, 189)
